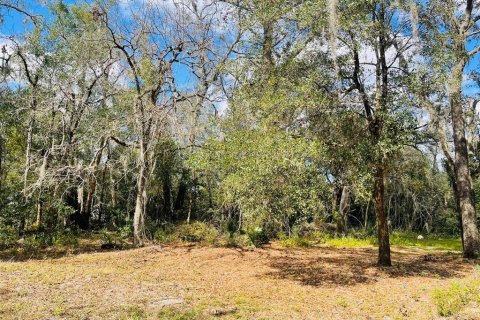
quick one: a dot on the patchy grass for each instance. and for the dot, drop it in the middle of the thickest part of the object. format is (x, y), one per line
(190, 281)
(431, 241)
(134, 313)
(400, 239)
(350, 242)
(177, 314)
(452, 300)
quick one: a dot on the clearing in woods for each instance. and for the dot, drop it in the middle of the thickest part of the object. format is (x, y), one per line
(195, 282)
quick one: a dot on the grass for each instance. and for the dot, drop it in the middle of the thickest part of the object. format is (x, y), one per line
(434, 242)
(349, 242)
(231, 283)
(400, 239)
(176, 314)
(452, 300)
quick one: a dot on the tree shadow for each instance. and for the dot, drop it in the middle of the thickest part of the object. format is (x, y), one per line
(20, 254)
(349, 267)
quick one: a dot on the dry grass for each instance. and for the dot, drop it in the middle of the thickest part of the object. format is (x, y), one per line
(193, 282)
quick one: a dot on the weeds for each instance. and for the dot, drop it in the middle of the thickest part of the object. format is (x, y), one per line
(294, 242)
(176, 314)
(452, 300)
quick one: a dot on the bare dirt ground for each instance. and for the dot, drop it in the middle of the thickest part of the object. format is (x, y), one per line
(193, 282)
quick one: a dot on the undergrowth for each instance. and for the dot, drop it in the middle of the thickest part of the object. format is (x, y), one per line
(452, 300)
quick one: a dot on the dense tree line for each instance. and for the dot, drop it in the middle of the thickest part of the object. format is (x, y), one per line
(261, 114)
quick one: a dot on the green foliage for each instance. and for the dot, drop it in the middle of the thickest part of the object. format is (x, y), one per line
(350, 242)
(126, 231)
(197, 232)
(8, 236)
(42, 240)
(294, 242)
(66, 238)
(135, 313)
(190, 232)
(237, 240)
(429, 241)
(450, 301)
(165, 233)
(268, 183)
(37, 241)
(257, 235)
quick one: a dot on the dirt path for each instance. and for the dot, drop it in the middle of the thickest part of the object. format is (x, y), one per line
(269, 283)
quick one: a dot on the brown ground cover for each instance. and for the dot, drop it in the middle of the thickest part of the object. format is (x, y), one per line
(195, 282)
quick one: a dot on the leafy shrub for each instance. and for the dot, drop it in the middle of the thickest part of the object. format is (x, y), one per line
(165, 233)
(237, 240)
(193, 232)
(65, 239)
(294, 242)
(37, 241)
(230, 227)
(317, 237)
(8, 236)
(257, 236)
(109, 242)
(197, 232)
(126, 231)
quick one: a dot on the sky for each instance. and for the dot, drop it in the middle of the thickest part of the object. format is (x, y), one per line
(16, 24)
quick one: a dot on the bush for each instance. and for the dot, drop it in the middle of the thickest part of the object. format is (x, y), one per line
(126, 231)
(65, 239)
(196, 232)
(257, 236)
(37, 241)
(294, 242)
(193, 232)
(8, 236)
(237, 240)
(165, 233)
(318, 237)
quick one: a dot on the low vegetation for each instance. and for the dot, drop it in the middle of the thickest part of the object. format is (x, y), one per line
(455, 298)
(199, 280)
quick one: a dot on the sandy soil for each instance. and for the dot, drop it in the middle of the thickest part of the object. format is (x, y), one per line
(204, 282)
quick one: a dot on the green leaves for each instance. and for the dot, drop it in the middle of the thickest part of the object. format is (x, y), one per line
(267, 173)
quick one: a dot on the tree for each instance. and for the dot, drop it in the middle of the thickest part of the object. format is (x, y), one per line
(383, 96)
(450, 49)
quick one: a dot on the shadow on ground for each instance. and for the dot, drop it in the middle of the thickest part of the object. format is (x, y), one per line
(347, 267)
(86, 245)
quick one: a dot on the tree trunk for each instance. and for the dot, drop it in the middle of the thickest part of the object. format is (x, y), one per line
(28, 149)
(92, 185)
(376, 129)
(366, 215)
(344, 208)
(268, 44)
(139, 214)
(471, 243)
(39, 213)
(382, 225)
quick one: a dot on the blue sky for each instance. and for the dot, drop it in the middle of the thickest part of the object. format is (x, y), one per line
(16, 24)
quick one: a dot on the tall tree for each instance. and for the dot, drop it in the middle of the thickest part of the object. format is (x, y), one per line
(451, 30)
